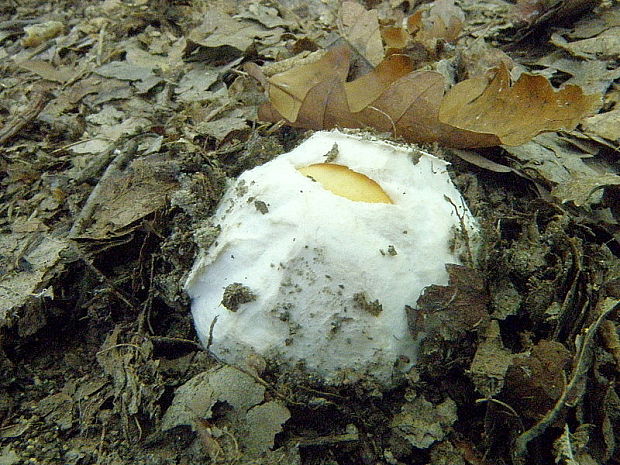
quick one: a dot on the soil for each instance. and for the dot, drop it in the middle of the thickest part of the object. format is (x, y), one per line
(119, 125)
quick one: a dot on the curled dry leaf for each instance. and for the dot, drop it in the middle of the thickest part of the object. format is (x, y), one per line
(392, 98)
(395, 98)
(514, 114)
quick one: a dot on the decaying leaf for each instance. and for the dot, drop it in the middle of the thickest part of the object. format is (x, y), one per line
(26, 278)
(194, 85)
(220, 30)
(605, 45)
(455, 309)
(491, 361)
(480, 57)
(514, 114)
(196, 397)
(606, 125)
(133, 372)
(535, 12)
(361, 28)
(443, 22)
(429, 28)
(535, 380)
(130, 196)
(572, 448)
(593, 76)
(593, 37)
(263, 422)
(125, 71)
(476, 159)
(580, 188)
(252, 422)
(421, 423)
(454, 453)
(551, 159)
(36, 34)
(58, 408)
(395, 98)
(48, 71)
(559, 161)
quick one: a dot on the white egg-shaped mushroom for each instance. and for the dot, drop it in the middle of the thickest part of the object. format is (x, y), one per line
(320, 251)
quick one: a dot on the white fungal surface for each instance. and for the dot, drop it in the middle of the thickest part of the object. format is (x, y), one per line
(319, 281)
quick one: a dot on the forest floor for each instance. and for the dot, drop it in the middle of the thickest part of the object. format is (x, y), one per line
(119, 125)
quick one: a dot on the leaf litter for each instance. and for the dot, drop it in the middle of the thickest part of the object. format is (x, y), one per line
(477, 112)
(118, 129)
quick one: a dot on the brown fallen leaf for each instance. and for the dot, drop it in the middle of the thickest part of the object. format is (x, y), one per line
(289, 90)
(48, 71)
(395, 38)
(361, 28)
(514, 114)
(443, 22)
(536, 379)
(124, 198)
(448, 316)
(426, 31)
(479, 57)
(580, 187)
(391, 98)
(606, 125)
(536, 12)
(482, 162)
(453, 310)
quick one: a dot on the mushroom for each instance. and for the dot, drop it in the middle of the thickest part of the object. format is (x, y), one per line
(319, 253)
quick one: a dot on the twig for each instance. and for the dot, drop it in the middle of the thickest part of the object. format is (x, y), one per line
(463, 230)
(176, 341)
(100, 446)
(571, 395)
(139, 429)
(39, 99)
(116, 346)
(104, 279)
(211, 326)
(100, 43)
(326, 440)
(113, 169)
(16, 24)
(511, 410)
(611, 341)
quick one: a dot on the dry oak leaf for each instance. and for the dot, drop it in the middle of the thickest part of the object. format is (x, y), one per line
(514, 114)
(361, 28)
(391, 98)
(444, 21)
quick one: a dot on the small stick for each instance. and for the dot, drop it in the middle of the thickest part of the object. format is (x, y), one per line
(113, 169)
(39, 99)
(571, 395)
(104, 279)
(210, 341)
